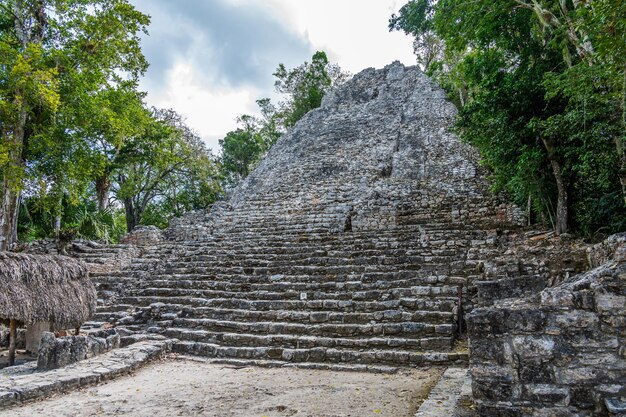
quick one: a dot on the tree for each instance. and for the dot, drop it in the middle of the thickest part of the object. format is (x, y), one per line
(241, 149)
(166, 165)
(539, 100)
(305, 86)
(56, 57)
(416, 18)
(118, 115)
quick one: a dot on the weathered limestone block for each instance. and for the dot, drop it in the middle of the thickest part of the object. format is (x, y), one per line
(514, 265)
(560, 352)
(143, 236)
(59, 352)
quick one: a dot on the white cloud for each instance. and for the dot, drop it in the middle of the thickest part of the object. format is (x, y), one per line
(191, 60)
(210, 110)
(353, 32)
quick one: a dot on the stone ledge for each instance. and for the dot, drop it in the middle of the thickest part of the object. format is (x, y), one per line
(22, 384)
(444, 399)
(377, 369)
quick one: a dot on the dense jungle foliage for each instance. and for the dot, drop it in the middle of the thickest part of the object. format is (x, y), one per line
(541, 90)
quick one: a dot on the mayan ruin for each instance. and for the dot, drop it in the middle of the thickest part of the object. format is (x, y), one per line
(379, 257)
(398, 242)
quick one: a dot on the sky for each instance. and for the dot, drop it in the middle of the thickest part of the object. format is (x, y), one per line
(210, 60)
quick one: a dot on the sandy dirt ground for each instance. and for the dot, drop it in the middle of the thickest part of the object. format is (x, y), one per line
(190, 388)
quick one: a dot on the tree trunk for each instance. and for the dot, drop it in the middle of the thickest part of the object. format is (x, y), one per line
(131, 220)
(561, 202)
(621, 152)
(57, 226)
(10, 205)
(103, 187)
(12, 341)
(9, 208)
(562, 197)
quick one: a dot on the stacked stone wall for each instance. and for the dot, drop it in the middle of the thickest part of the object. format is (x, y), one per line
(560, 352)
(143, 236)
(58, 352)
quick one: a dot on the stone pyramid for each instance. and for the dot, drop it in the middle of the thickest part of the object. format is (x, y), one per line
(354, 242)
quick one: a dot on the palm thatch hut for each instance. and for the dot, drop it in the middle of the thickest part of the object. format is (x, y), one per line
(44, 291)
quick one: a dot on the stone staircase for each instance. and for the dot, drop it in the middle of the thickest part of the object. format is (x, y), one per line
(356, 241)
(357, 297)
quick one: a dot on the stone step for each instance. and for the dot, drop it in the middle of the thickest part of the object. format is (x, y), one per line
(347, 240)
(436, 267)
(304, 259)
(414, 303)
(406, 329)
(325, 261)
(268, 284)
(286, 341)
(94, 324)
(415, 244)
(299, 274)
(245, 243)
(303, 316)
(321, 355)
(290, 294)
(110, 316)
(114, 308)
(305, 223)
(300, 365)
(194, 280)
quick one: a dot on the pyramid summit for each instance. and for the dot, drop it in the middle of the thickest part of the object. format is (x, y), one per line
(378, 153)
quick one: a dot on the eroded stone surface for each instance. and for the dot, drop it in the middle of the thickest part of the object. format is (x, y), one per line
(349, 244)
(199, 389)
(56, 353)
(23, 383)
(560, 352)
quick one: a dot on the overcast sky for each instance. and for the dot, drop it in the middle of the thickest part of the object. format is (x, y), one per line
(210, 60)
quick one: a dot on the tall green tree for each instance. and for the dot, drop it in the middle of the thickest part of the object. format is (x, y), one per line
(416, 18)
(241, 149)
(541, 90)
(56, 57)
(166, 166)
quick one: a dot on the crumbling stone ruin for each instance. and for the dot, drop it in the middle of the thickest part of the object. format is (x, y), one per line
(349, 244)
(558, 352)
(56, 353)
(367, 239)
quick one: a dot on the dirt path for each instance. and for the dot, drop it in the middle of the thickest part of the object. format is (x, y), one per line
(189, 388)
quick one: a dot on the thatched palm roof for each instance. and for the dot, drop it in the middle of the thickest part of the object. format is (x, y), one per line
(36, 288)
